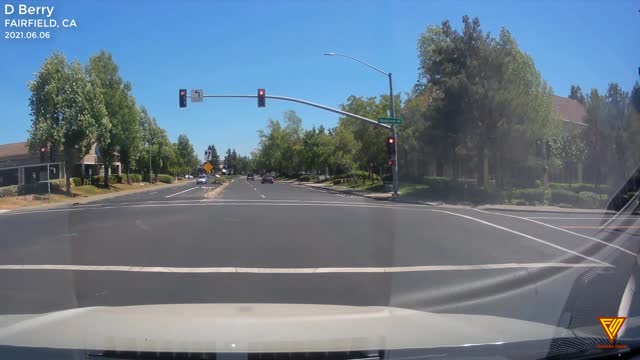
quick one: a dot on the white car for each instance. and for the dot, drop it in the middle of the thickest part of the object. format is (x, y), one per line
(188, 176)
(202, 179)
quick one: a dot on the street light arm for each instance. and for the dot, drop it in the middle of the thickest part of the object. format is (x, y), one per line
(360, 61)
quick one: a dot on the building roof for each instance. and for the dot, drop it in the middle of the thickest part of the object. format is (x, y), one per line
(14, 149)
(570, 110)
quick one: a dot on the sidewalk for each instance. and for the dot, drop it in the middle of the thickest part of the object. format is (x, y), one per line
(419, 201)
(86, 199)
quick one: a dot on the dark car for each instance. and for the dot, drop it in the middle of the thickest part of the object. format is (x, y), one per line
(267, 179)
(250, 177)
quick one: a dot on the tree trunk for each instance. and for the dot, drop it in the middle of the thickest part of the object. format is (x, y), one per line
(481, 167)
(68, 166)
(106, 172)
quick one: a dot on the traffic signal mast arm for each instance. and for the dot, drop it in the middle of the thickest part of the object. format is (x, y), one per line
(305, 102)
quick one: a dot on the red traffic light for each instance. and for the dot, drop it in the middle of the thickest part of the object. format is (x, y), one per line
(390, 162)
(261, 92)
(182, 93)
(391, 140)
(43, 149)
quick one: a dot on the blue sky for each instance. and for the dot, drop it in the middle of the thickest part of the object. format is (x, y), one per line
(235, 47)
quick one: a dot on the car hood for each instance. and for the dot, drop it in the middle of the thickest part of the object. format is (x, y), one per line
(261, 328)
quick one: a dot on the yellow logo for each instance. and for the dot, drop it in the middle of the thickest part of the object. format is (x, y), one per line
(611, 325)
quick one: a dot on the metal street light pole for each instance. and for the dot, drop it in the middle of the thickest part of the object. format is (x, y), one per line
(392, 113)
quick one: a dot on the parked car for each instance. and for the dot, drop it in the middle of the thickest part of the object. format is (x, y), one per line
(267, 179)
(251, 177)
(202, 179)
(188, 176)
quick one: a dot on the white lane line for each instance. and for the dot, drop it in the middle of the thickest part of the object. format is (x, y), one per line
(564, 230)
(521, 234)
(309, 270)
(181, 192)
(151, 193)
(3, 211)
(262, 196)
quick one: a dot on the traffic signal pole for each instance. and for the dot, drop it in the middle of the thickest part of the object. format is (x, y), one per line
(392, 110)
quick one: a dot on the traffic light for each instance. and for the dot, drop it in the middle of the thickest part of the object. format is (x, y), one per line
(261, 98)
(182, 95)
(52, 153)
(391, 148)
(43, 151)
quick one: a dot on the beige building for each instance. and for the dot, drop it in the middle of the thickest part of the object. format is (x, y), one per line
(19, 166)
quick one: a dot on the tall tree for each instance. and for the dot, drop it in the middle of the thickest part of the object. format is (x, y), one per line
(576, 94)
(104, 72)
(185, 155)
(65, 110)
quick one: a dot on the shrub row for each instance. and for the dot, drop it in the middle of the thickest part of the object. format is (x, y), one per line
(578, 188)
(167, 179)
(308, 178)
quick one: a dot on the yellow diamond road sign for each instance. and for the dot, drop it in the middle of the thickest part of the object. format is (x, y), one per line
(208, 167)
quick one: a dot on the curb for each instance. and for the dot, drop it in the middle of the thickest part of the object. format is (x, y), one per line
(213, 194)
(482, 207)
(88, 199)
(350, 192)
(552, 211)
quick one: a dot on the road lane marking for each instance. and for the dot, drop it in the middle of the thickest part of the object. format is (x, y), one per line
(575, 218)
(561, 229)
(521, 234)
(151, 193)
(181, 192)
(307, 270)
(262, 196)
(601, 227)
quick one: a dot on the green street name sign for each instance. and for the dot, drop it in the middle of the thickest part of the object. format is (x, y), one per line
(389, 121)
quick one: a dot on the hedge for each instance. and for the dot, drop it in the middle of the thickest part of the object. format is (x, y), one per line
(135, 177)
(561, 196)
(528, 195)
(308, 178)
(76, 181)
(167, 179)
(589, 200)
(579, 187)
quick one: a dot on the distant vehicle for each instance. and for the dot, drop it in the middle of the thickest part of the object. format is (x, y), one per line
(202, 179)
(250, 176)
(267, 179)
(188, 176)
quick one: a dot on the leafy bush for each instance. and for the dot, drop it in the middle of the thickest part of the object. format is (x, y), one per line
(9, 191)
(76, 181)
(589, 200)
(59, 185)
(308, 178)
(167, 179)
(528, 195)
(521, 202)
(560, 196)
(579, 187)
(135, 177)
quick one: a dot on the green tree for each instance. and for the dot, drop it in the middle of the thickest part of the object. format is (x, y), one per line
(575, 93)
(487, 100)
(104, 73)
(65, 110)
(186, 157)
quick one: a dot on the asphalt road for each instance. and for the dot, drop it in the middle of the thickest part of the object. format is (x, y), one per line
(285, 243)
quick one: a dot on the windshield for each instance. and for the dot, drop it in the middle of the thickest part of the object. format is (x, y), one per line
(428, 175)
